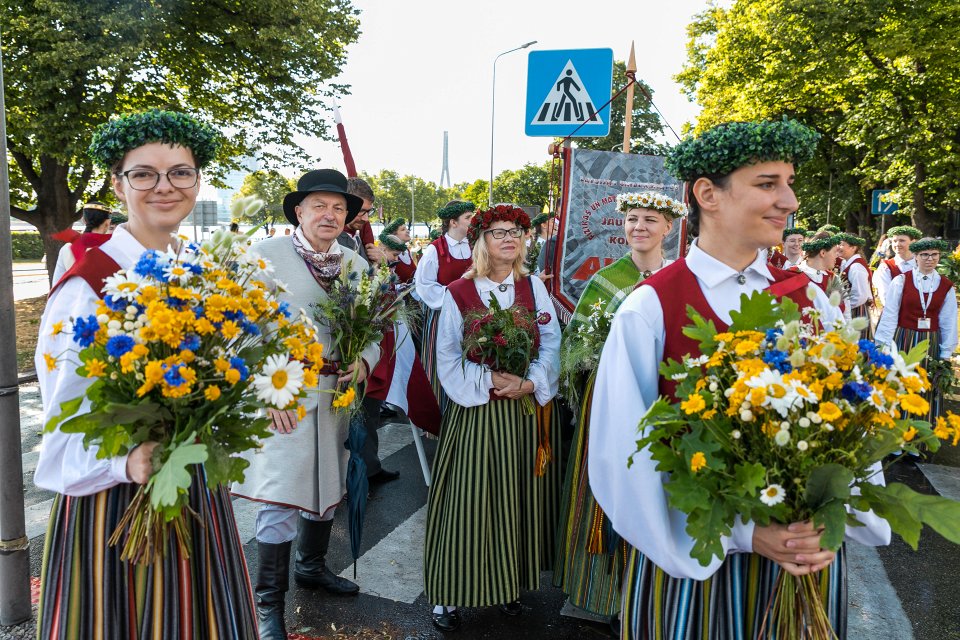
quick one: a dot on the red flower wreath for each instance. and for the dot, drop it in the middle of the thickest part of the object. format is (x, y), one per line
(482, 220)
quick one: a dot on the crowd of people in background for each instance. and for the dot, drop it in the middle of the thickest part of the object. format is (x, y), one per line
(514, 491)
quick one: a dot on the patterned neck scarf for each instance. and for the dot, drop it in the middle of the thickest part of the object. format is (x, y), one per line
(324, 267)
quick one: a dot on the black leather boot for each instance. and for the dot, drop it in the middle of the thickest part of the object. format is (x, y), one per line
(310, 570)
(273, 579)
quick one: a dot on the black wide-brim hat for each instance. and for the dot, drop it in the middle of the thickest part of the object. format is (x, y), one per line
(325, 180)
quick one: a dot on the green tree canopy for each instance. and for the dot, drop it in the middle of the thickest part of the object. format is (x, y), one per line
(878, 78)
(270, 186)
(645, 126)
(259, 70)
(529, 185)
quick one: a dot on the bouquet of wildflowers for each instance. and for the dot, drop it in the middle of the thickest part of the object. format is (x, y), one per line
(580, 352)
(359, 309)
(184, 349)
(949, 266)
(780, 420)
(503, 339)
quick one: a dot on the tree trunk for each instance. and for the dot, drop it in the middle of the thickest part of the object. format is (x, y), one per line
(928, 223)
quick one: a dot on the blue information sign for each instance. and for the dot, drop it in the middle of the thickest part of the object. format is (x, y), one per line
(565, 89)
(880, 208)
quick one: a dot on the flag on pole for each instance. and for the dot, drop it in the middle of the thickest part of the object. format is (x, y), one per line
(366, 233)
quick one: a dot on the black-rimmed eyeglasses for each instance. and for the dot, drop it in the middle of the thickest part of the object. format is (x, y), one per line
(500, 234)
(147, 179)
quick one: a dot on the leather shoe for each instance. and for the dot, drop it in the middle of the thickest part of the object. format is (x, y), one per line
(447, 621)
(383, 477)
(511, 608)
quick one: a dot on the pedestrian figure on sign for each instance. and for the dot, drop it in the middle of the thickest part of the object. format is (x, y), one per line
(564, 85)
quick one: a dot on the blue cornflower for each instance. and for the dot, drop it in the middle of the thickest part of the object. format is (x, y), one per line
(856, 392)
(193, 267)
(190, 342)
(173, 377)
(115, 304)
(284, 308)
(250, 328)
(238, 363)
(778, 359)
(119, 345)
(175, 303)
(151, 264)
(85, 330)
(773, 334)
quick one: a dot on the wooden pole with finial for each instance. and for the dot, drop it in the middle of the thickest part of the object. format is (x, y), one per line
(628, 113)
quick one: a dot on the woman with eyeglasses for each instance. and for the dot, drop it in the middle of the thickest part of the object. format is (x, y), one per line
(488, 529)
(922, 305)
(87, 590)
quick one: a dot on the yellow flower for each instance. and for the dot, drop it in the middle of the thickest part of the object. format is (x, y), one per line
(909, 434)
(301, 412)
(126, 361)
(212, 392)
(693, 404)
(915, 404)
(745, 347)
(757, 396)
(221, 365)
(913, 384)
(203, 326)
(834, 380)
(941, 430)
(830, 412)
(50, 361)
(723, 337)
(884, 420)
(96, 368)
(345, 399)
(232, 376)
(310, 378)
(698, 461)
(315, 353)
(57, 328)
(230, 329)
(709, 413)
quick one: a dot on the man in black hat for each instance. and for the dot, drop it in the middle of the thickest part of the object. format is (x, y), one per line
(300, 473)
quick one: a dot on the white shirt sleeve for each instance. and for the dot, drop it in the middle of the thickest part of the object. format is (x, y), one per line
(466, 383)
(544, 372)
(887, 324)
(881, 282)
(859, 285)
(65, 260)
(876, 531)
(430, 292)
(65, 465)
(948, 324)
(634, 498)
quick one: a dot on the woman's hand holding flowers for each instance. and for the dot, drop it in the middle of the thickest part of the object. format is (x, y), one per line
(282, 421)
(139, 462)
(507, 385)
(795, 547)
(353, 369)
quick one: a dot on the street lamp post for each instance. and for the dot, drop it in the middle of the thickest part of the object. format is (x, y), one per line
(493, 104)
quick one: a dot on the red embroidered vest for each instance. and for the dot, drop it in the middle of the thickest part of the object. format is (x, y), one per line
(677, 287)
(467, 297)
(911, 310)
(894, 269)
(94, 267)
(404, 271)
(777, 259)
(450, 268)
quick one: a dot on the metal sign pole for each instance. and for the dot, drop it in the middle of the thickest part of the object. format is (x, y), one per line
(14, 545)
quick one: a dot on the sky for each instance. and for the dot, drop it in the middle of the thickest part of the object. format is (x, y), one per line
(422, 67)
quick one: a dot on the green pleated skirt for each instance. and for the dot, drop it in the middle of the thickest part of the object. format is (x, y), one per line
(590, 556)
(491, 521)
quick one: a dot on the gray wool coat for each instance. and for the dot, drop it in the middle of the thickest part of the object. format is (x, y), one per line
(305, 469)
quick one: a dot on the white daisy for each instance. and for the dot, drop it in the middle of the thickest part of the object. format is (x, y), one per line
(772, 495)
(177, 272)
(124, 285)
(279, 381)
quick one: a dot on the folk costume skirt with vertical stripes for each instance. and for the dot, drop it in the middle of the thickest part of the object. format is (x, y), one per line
(491, 521)
(730, 605)
(907, 339)
(863, 311)
(590, 556)
(88, 593)
(428, 355)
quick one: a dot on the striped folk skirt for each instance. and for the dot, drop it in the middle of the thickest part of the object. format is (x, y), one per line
(428, 355)
(907, 339)
(730, 605)
(88, 593)
(863, 311)
(590, 556)
(491, 521)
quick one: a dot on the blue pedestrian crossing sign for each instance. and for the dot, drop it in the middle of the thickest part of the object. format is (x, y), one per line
(877, 205)
(565, 89)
